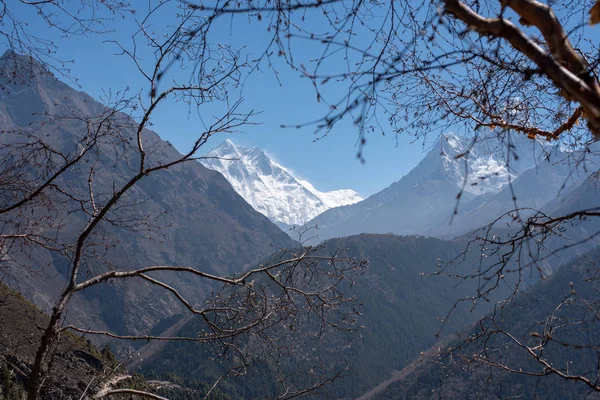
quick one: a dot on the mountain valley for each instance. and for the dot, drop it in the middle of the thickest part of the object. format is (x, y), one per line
(229, 306)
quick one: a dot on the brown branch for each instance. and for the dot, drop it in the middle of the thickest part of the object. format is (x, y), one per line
(532, 131)
(131, 337)
(299, 393)
(532, 12)
(232, 281)
(548, 367)
(584, 91)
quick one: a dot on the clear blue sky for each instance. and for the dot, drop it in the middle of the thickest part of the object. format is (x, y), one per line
(329, 163)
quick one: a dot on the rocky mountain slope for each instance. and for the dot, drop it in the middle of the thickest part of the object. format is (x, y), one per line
(461, 185)
(77, 365)
(532, 190)
(186, 215)
(492, 175)
(270, 188)
(79, 370)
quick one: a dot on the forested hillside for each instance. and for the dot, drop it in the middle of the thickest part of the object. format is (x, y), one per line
(557, 320)
(401, 313)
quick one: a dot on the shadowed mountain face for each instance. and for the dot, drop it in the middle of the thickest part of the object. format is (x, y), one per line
(186, 215)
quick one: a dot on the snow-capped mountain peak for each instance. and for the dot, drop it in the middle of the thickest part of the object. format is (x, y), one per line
(270, 187)
(485, 164)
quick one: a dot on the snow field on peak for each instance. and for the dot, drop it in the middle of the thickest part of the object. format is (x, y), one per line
(335, 198)
(487, 165)
(270, 188)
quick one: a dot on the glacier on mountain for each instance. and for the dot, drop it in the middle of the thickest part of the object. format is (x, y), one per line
(271, 188)
(484, 164)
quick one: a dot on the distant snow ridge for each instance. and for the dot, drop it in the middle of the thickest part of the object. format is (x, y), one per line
(270, 188)
(488, 164)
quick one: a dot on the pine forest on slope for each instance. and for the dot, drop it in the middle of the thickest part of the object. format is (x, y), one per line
(562, 307)
(402, 310)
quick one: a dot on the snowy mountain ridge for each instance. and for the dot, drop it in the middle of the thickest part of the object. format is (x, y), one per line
(270, 188)
(487, 164)
(423, 201)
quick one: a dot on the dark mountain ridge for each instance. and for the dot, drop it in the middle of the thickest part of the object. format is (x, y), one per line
(185, 215)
